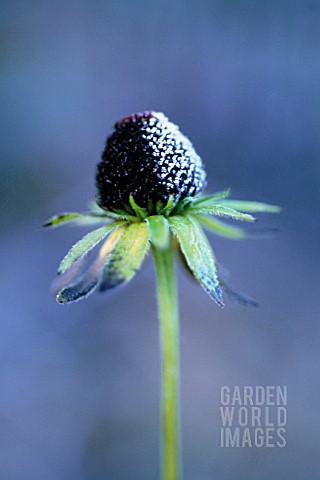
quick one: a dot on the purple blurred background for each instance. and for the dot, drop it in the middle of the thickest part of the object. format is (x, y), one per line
(80, 384)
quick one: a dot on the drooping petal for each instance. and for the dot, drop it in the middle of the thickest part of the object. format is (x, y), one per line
(84, 287)
(236, 295)
(198, 254)
(70, 276)
(127, 256)
(79, 287)
(87, 243)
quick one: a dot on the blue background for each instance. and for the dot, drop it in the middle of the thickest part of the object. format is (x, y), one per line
(80, 384)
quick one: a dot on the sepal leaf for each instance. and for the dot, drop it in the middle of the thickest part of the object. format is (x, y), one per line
(208, 200)
(198, 254)
(117, 214)
(139, 211)
(86, 244)
(73, 217)
(251, 207)
(121, 215)
(220, 228)
(221, 211)
(169, 207)
(182, 205)
(127, 256)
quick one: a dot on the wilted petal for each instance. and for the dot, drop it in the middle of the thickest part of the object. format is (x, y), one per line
(127, 256)
(88, 281)
(86, 244)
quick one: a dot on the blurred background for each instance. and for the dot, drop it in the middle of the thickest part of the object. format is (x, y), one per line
(80, 384)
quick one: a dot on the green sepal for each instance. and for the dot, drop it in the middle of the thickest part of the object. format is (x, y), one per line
(86, 244)
(222, 229)
(116, 214)
(169, 207)
(121, 215)
(73, 217)
(213, 199)
(251, 207)
(150, 206)
(159, 206)
(127, 256)
(139, 211)
(128, 209)
(220, 211)
(182, 205)
(159, 231)
(198, 254)
(232, 293)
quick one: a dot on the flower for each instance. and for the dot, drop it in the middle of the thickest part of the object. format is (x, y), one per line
(148, 157)
(150, 182)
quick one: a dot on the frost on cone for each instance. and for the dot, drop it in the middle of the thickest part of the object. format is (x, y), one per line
(147, 156)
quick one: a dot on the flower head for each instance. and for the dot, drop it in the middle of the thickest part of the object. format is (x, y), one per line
(148, 157)
(150, 182)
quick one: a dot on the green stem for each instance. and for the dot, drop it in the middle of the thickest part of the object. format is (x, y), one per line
(170, 371)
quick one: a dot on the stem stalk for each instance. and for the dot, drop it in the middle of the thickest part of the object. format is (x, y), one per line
(170, 370)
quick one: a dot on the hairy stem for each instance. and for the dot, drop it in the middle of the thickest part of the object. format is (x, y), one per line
(170, 370)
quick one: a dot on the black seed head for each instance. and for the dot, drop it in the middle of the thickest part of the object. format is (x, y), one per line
(147, 156)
